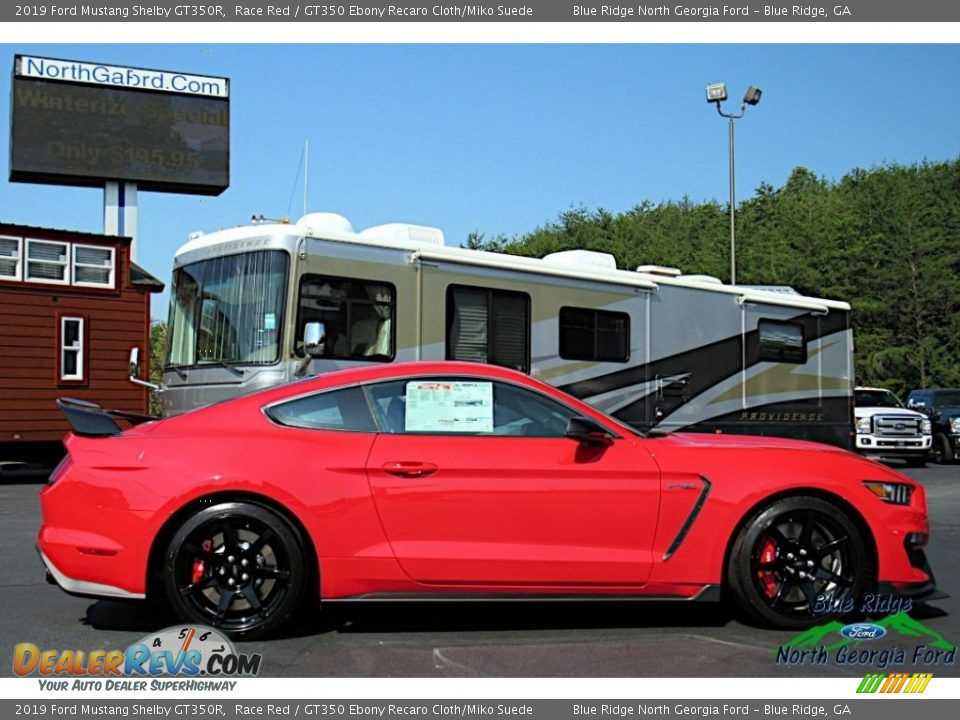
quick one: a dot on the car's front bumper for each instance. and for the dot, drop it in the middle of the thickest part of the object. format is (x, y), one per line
(923, 591)
(893, 447)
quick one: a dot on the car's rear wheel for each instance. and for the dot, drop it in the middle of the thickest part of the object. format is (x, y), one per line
(236, 566)
(797, 562)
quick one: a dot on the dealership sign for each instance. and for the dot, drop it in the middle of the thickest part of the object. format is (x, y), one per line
(120, 77)
(82, 123)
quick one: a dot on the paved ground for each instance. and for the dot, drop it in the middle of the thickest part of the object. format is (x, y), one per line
(467, 640)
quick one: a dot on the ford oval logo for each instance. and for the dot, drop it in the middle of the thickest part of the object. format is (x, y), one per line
(863, 631)
(899, 426)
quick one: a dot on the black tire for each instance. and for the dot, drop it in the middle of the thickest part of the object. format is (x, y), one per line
(237, 567)
(942, 452)
(798, 562)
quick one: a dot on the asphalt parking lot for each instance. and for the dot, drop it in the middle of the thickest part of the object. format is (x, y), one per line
(621, 639)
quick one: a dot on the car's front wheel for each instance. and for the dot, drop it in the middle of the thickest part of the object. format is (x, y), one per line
(797, 562)
(236, 566)
(942, 451)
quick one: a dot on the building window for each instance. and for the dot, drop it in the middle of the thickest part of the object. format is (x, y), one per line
(358, 316)
(488, 326)
(48, 262)
(598, 335)
(10, 257)
(72, 366)
(93, 266)
(782, 342)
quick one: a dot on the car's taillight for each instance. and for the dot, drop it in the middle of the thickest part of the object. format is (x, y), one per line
(60, 469)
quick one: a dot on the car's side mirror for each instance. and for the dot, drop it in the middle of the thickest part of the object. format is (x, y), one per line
(314, 338)
(134, 362)
(133, 372)
(588, 431)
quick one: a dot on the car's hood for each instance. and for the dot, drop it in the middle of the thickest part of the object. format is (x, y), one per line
(948, 412)
(743, 442)
(721, 452)
(870, 411)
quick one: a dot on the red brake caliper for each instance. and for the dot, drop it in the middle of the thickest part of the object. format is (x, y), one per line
(768, 553)
(198, 565)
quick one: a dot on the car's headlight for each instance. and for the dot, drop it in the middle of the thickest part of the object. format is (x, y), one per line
(893, 493)
(926, 427)
(863, 425)
(955, 425)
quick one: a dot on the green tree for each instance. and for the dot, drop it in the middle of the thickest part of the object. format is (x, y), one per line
(887, 240)
(158, 353)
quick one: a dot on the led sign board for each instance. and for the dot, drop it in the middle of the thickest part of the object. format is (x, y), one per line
(79, 123)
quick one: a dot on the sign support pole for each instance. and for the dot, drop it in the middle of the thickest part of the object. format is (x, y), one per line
(120, 212)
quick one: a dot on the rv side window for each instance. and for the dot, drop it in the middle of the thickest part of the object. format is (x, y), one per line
(358, 316)
(488, 326)
(599, 335)
(782, 342)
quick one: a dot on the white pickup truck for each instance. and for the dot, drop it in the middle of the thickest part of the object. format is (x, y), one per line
(886, 429)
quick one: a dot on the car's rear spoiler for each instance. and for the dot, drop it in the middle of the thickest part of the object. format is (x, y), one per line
(91, 420)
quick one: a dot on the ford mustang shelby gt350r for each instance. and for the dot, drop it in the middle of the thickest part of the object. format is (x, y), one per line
(458, 480)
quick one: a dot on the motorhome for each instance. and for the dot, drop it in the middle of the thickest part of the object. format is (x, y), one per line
(262, 304)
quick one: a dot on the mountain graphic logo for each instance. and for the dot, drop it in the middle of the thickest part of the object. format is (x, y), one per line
(900, 624)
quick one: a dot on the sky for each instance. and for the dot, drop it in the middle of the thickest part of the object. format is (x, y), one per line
(501, 138)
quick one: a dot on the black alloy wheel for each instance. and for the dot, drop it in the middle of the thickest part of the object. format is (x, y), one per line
(238, 567)
(799, 562)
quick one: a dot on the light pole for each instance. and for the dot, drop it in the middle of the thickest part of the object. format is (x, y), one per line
(717, 93)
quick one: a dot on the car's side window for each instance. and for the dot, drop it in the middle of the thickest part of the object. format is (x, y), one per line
(344, 409)
(466, 406)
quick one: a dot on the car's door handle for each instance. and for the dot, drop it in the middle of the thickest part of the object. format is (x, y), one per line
(409, 469)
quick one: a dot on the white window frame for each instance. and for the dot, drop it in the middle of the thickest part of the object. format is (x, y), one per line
(65, 263)
(77, 347)
(18, 268)
(113, 267)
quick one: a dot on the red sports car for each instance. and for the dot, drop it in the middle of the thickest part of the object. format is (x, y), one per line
(455, 480)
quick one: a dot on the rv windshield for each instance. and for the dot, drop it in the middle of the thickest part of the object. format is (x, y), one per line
(228, 310)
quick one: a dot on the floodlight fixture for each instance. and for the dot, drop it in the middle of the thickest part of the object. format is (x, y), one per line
(716, 92)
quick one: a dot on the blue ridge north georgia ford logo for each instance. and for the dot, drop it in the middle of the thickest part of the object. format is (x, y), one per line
(863, 631)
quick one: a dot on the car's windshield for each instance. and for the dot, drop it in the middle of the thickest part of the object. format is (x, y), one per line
(947, 399)
(227, 310)
(876, 398)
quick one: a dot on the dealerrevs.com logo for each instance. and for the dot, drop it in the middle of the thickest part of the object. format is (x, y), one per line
(191, 651)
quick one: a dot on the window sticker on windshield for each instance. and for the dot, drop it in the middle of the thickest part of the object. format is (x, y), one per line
(449, 407)
(270, 321)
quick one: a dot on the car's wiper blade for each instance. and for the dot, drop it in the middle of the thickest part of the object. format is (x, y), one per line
(176, 369)
(228, 365)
